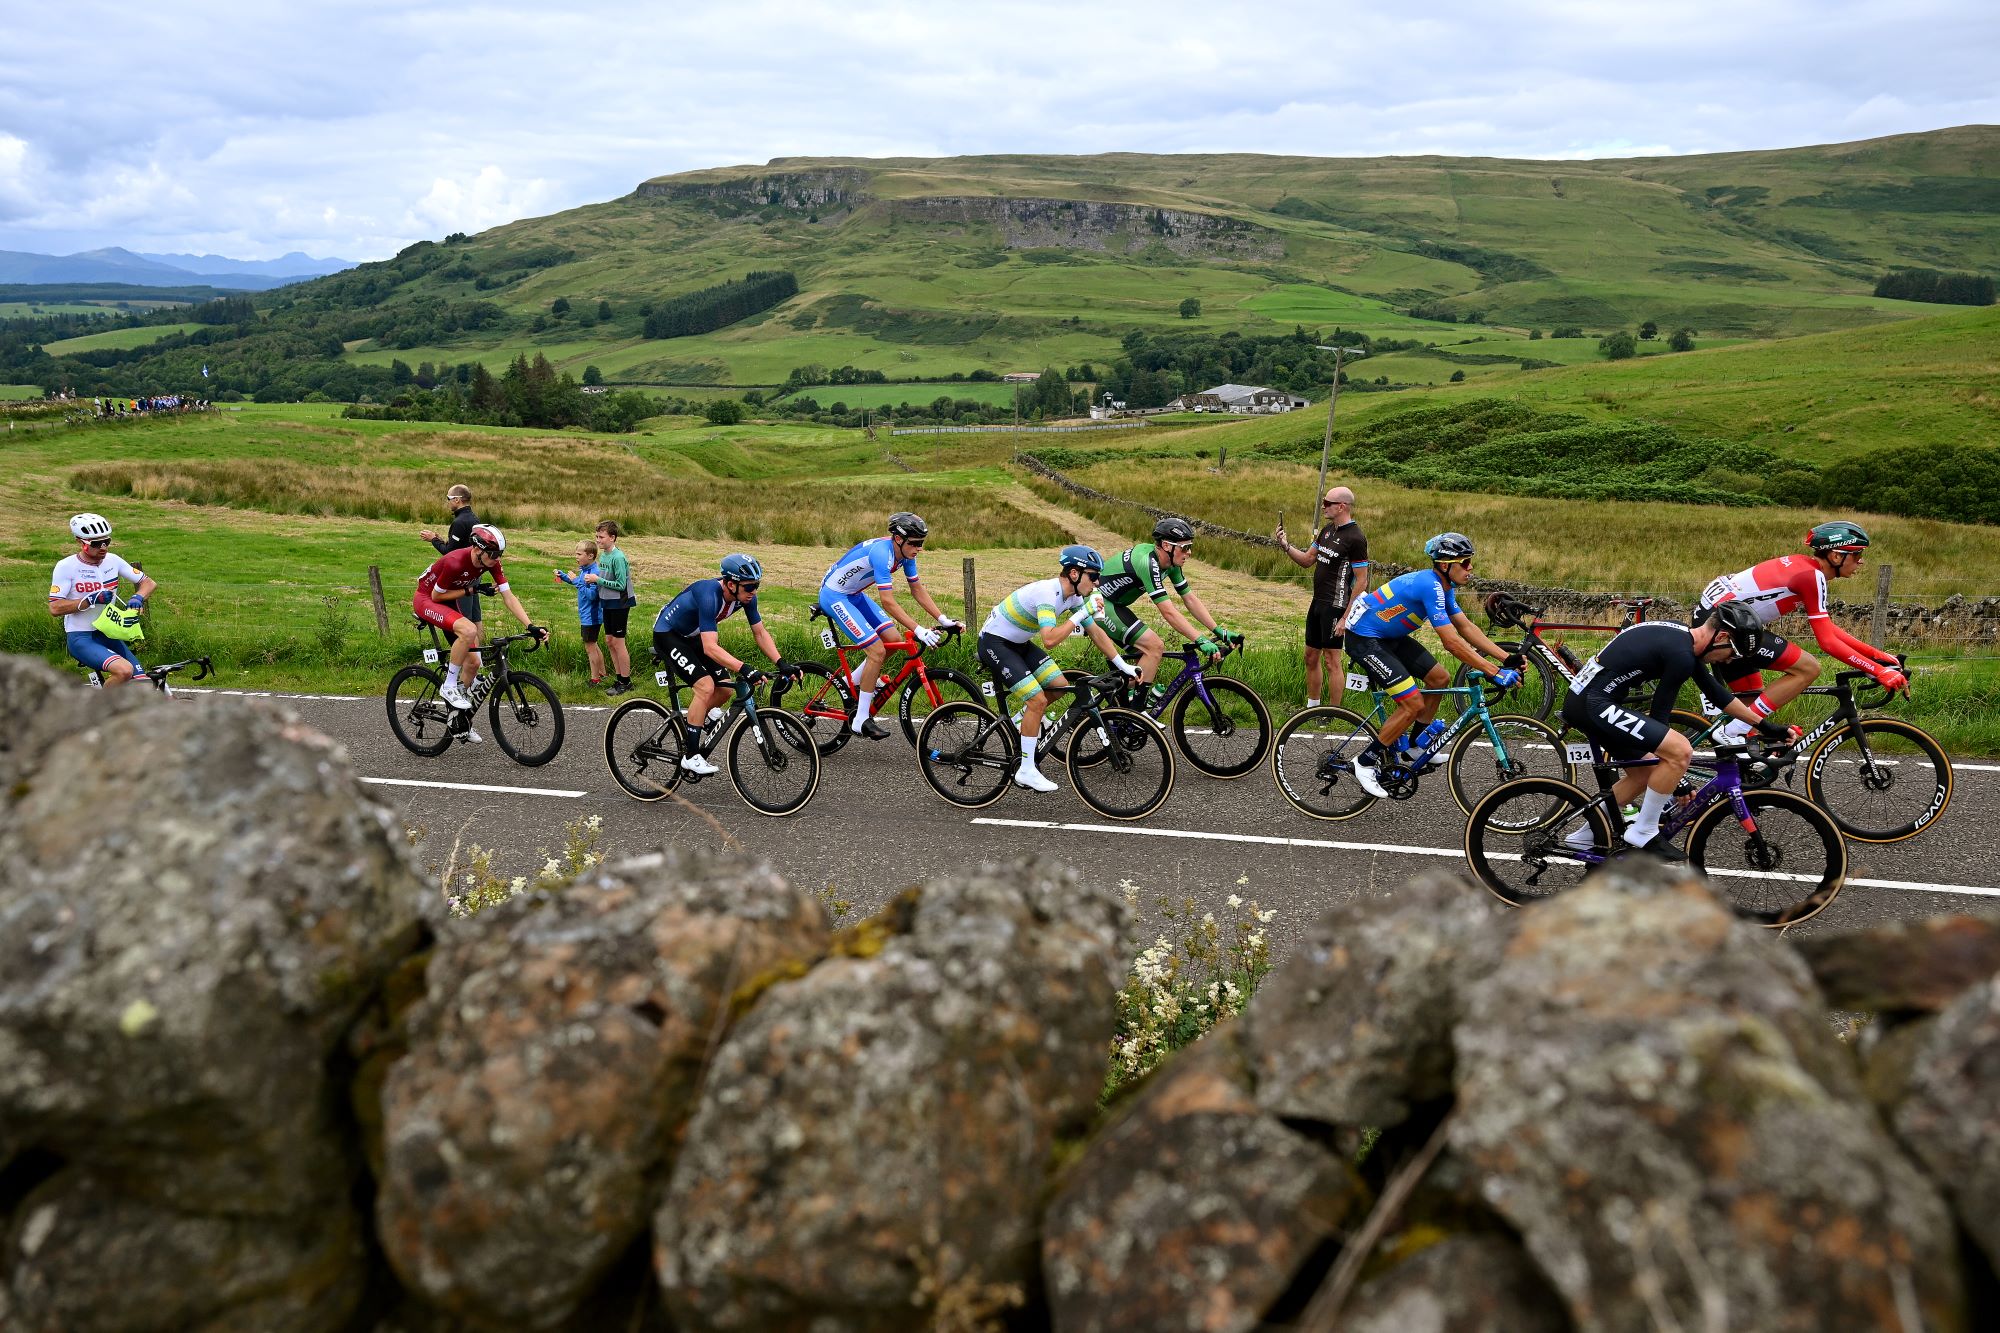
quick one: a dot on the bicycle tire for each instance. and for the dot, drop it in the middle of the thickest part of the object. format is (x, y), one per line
(422, 722)
(1212, 753)
(1750, 875)
(1122, 751)
(642, 748)
(967, 755)
(1534, 697)
(823, 702)
(1532, 749)
(913, 705)
(1842, 787)
(791, 761)
(1324, 736)
(1516, 838)
(515, 714)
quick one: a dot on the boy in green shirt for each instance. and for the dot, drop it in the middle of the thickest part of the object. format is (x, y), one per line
(616, 599)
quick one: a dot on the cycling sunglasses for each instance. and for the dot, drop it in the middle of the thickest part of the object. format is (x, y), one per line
(748, 585)
(1176, 546)
(101, 544)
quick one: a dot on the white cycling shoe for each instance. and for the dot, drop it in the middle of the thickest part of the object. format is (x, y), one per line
(455, 695)
(1032, 779)
(1365, 774)
(698, 763)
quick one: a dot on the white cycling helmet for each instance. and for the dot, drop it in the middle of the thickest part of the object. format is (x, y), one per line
(90, 527)
(489, 539)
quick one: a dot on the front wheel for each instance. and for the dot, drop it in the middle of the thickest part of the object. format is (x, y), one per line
(1782, 871)
(1222, 727)
(420, 719)
(1312, 760)
(642, 748)
(968, 756)
(1881, 779)
(1120, 763)
(774, 762)
(824, 702)
(1526, 748)
(1533, 838)
(916, 703)
(527, 721)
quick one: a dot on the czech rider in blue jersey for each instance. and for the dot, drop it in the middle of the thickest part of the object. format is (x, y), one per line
(871, 566)
(1379, 629)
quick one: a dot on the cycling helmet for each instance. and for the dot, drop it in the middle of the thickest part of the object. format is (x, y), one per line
(1501, 608)
(1838, 535)
(742, 569)
(1739, 624)
(1448, 546)
(488, 538)
(1171, 529)
(908, 526)
(1082, 557)
(90, 527)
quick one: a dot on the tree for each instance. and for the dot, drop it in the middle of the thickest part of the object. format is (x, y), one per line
(603, 311)
(1458, 377)
(1649, 330)
(1618, 346)
(592, 376)
(1682, 340)
(559, 307)
(724, 411)
(1191, 308)
(1534, 335)
(399, 371)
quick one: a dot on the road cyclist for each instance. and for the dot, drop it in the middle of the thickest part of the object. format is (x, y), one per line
(686, 641)
(447, 585)
(1380, 629)
(867, 567)
(98, 629)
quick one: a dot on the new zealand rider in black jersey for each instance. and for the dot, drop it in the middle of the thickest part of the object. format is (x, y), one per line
(1667, 655)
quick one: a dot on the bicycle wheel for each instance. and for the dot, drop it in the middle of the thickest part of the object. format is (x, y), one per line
(1784, 871)
(527, 721)
(1312, 760)
(1225, 735)
(1533, 838)
(1534, 697)
(1527, 748)
(823, 702)
(420, 719)
(778, 772)
(967, 755)
(913, 703)
(642, 748)
(1882, 781)
(1120, 764)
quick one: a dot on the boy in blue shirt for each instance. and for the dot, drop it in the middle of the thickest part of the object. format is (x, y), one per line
(589, 615)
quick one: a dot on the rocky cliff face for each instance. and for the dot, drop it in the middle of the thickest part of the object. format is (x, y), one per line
(1077, 224)
(251, 1079)
(800, 191)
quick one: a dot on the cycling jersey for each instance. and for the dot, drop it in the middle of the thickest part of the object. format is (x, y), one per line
(1400, 605)
(458, 571)
(700, 607)
(1337, 549)
(1791, 583)
(74, 578)
(866, 564)
(1029, 610)
(1138, 573)
(1657, 650)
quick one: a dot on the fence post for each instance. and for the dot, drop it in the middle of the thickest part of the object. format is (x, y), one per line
(381, 607)
(1878, 627)
(1222, 458)
(971, 594)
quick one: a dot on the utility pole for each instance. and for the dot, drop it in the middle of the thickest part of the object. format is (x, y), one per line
(1332, 399)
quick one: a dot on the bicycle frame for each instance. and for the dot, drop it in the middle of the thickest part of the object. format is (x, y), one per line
(887, 688)
(1557, 656)
(1727, 784)
(1190, 674)
(1474, 694)
(1845, 712)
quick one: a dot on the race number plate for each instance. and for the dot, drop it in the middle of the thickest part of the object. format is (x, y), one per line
(660, 679)
(1577, 752)
(986, 688)
(1708, 707)
(1356, 681)
(826, 639)
(431, 655)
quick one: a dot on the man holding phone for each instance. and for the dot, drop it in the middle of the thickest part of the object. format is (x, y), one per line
(1338, 558)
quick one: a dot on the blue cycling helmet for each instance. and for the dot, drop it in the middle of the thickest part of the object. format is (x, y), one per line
(1082, 557)
(741, 569)
(1448, 546)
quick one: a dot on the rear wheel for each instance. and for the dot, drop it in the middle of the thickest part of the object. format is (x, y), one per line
(1533, 838)
(1882, 779)
(1784, 871)
(823, 701)
(1312, 760)
(642, 748)
(779, 772)
(1527, 748)
(420, 719)
(914, 704)
(1226, 734)
(967, 755)
(1120, 763)
(527, 721)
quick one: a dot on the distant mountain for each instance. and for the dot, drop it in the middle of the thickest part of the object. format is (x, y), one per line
(115, 264)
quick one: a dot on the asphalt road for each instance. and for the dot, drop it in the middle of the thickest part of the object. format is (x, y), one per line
(874, 827)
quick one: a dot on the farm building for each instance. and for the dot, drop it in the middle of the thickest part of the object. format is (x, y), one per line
(1238, 398)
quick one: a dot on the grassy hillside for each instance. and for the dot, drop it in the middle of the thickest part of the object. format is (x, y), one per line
(119, 338)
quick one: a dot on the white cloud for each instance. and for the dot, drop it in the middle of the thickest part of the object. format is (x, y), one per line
(487, 200)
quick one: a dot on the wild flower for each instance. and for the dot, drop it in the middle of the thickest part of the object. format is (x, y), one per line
(478, 886)
(1189, 979)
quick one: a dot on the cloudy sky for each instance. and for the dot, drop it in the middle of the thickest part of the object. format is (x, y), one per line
(250, 129)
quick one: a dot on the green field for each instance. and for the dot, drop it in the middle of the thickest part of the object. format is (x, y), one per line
(879, 395)
(17, 391)
(119, 338)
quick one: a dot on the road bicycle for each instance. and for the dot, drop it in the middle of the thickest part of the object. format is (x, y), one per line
(826, 698)
(1313, 760)
(157, 676)
(521, 708)
(1774, 856)
(1547, 668)
(1881, 778)
(1219, 724)
(771, 757)
(1118, 759)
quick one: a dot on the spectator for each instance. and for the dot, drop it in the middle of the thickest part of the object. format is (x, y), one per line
(1338, 556)
(457, 538)
(588, 616)
(616, 597)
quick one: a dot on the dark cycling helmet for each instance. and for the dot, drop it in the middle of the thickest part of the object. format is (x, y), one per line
(1447, 546)
(742, 569)
(488, 538)
(1739, 624)
(90, 527)
(1171, 529)
(1501, 608)
(908, 526)
(1838, 535)
(1082, 557)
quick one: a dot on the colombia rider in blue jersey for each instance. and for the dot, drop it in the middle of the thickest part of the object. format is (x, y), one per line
(1380, 628)
(870, 566)
(684, 636)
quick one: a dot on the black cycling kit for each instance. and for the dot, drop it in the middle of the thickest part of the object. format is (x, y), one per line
(1661, 651)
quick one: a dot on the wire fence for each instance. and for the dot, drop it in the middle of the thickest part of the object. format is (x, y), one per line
(1018, 430)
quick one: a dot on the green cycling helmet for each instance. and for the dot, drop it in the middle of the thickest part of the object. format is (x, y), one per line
(1837, 535)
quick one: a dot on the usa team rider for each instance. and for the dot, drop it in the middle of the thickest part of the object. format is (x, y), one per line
(1152, 570)
(85, 582)
(445, 586)
(1380, 632)
(844, 596)
(685, 636)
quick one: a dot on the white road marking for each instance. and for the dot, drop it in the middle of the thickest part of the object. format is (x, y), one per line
(476, 786)
(1455, 853)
